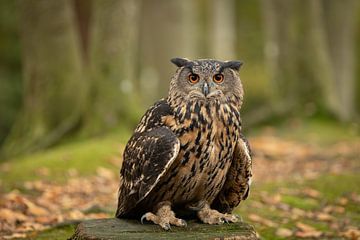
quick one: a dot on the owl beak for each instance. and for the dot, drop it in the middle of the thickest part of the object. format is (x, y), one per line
(205, 89)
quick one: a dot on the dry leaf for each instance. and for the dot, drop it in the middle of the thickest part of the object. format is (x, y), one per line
(11, 216)
(307, 231)
(308, 234)
(311, 193)
(304, 227)
(258, 219)
(105, 173)
(324, 217)
(15, 235)
(283, 232)
(351, 233)
(342, 201)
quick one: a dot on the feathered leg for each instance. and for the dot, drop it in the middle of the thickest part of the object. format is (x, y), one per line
(164, 217)
(211, 216)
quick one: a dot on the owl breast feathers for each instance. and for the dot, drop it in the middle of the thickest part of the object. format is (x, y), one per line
(188, 154)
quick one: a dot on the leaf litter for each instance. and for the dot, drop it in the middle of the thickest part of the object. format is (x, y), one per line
(46, 204)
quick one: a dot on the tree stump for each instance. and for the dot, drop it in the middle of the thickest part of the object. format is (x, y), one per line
(114, 228)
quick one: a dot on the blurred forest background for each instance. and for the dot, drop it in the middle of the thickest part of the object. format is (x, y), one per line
(83, 68)
(76, 76)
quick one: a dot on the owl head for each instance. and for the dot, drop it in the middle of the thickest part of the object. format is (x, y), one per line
(206, 80)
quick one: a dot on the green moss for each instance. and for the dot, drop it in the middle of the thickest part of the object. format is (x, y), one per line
(299, 202)
(313, 130)
(334, 186)
(84, 156)
(59, 233)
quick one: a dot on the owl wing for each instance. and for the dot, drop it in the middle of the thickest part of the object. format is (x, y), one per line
(147, 157)
(238, 179)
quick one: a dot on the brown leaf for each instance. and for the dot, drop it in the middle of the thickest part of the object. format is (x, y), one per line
(15, 235)
(270, 199)
(11, 216)
(308, 234)
(33, 209)
(324, 217)
(43, 171)
(355, 197)
(259, 219)
(283, 232)
(307, 231)
(105, 173)
(304, 227)
(342, 201)
(351, 233)
(311, 193)
(332, 209)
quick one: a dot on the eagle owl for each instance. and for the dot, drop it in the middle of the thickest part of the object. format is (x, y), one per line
(188, 155)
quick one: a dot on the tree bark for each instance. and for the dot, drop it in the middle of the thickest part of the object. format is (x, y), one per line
(168, 30)
(340, 19)
(131, 229)
(111, 94)
(222, 34)
(53, 86)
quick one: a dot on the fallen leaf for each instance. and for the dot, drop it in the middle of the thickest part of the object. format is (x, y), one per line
(351, 233)
(342, 201)
(332, 209)
(43, 171)
(311, 193)
(33, 209)
(304, 227)
(105, 173)
(324, 217)
(15, 235)
(259, 219)
(307, 231)
(308, 234)
(355, 197)
(283, 232)
(11, 216)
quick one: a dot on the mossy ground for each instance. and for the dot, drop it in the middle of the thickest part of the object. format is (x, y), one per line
(86, 156)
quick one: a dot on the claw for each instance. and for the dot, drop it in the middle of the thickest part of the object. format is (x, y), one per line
(239, 217)
(166, 226)
(142, 218)
(183, 223)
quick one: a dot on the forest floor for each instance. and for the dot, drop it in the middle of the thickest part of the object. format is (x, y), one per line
(306, 184)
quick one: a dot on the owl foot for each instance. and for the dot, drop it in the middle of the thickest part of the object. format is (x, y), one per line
(211, 216)
(164, 217)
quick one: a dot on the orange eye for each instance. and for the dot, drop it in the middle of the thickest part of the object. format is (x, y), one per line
(218, 78)
(194, 78)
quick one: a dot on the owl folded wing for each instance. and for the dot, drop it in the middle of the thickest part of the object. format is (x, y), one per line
(147, 157)
(238, 179)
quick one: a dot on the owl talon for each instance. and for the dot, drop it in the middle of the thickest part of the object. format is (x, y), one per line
(211, 216)
(183, 223)
(166, 226)
(142, 218)
(164, 217)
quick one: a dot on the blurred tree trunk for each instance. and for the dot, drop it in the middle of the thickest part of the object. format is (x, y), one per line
(168, 29)
(53, 86)
(311, 54)
(83, 13)
(280, 51)
(340, 23)
(332, 36)
(222, 34)
(113, 44)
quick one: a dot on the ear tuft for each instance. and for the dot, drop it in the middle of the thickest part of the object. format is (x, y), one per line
(235, 65)
(180, 62)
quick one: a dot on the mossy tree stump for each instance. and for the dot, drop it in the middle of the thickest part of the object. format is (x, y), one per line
(113, 228)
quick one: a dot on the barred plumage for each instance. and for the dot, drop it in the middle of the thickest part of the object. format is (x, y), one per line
(188, 152)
